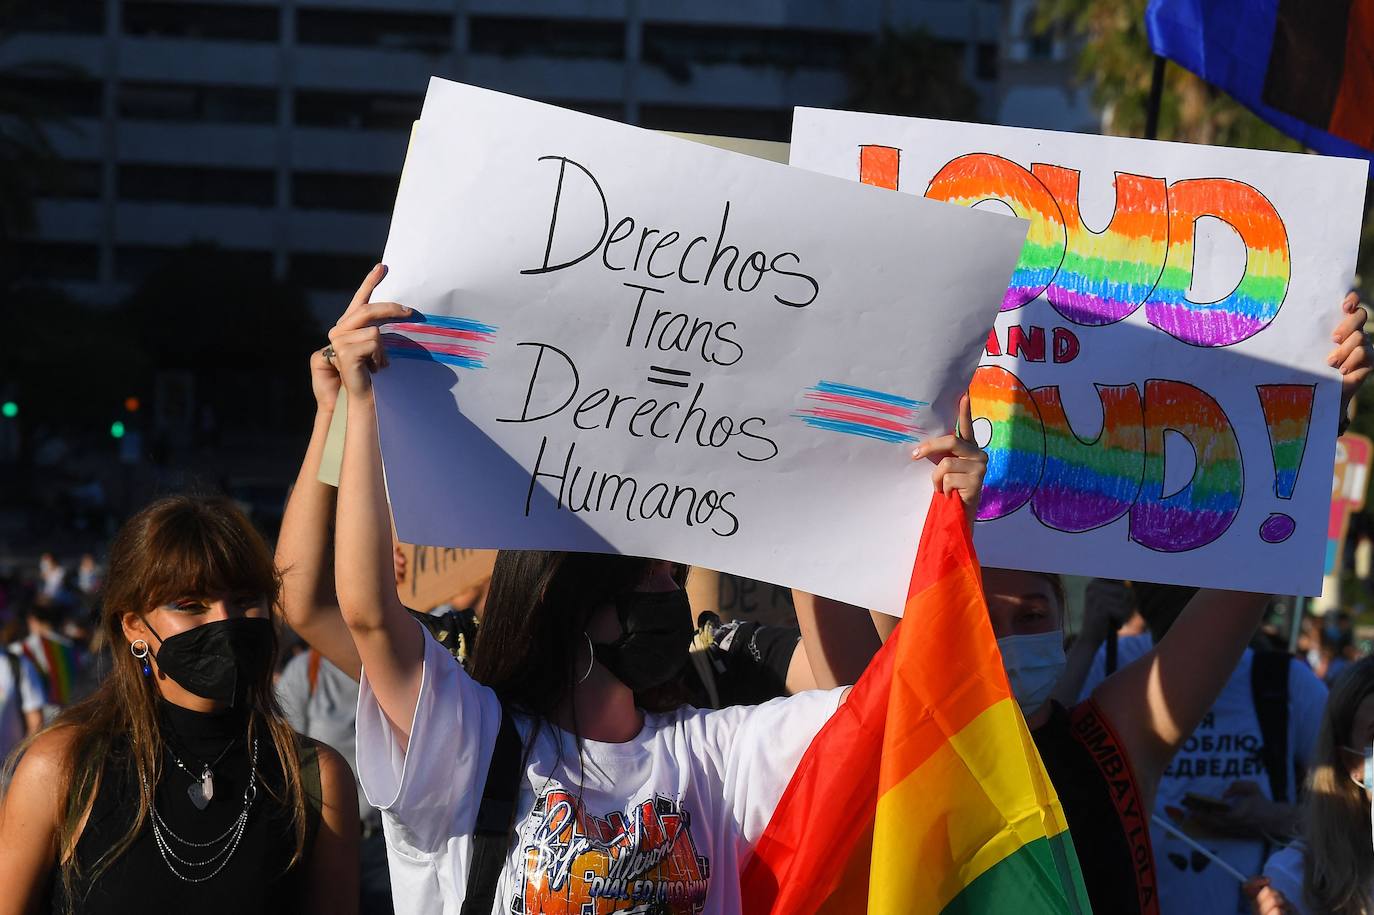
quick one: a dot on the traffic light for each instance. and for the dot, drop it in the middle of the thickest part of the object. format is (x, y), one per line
(117, 429)
(9, 409)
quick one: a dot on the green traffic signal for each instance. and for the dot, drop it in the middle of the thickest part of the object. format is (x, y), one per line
(9, 409)
(117, 429)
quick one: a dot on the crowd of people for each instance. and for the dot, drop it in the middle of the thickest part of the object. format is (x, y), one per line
(198, 723)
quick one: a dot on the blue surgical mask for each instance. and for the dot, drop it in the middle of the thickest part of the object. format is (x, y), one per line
(1034, 664)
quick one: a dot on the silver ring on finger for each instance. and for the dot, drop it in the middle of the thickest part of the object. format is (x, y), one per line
(328, 353)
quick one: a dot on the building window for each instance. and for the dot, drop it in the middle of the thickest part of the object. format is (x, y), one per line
(337, 191)
(62, 98)
(615, 111)
(135, 263)
(328, 271)
(749, 123)
(357, 110)
(56, 261)
(178, 184)
(71, 180)
(514, 36)
(392, 31)
(187, 102)
(986, 57)
(71, 17)
(201, 20)
(675, 48)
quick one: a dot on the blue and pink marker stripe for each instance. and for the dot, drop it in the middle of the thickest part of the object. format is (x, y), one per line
(459, 342)
(852, 410)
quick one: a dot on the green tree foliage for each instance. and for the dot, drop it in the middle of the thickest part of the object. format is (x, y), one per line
(1115, 56)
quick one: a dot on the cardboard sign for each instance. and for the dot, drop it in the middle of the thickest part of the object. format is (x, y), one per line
(435, 574)
(1348, 486)
(1154, 398)
(627, 342)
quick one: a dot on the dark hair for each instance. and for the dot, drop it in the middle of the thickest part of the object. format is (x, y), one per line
(537, 610)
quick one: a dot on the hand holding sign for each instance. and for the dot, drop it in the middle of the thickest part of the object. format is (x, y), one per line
(357, 337)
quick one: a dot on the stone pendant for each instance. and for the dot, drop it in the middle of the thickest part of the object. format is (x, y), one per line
(202, 791)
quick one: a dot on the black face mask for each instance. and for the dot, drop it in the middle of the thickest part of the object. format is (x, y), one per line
(656, 635)
(219, 660)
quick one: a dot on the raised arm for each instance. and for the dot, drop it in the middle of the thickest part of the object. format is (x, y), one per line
(838, 641)
(1158, 700)
(305, 544)
(389, 642)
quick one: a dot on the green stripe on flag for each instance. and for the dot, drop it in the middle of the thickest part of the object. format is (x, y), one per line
(1039, 878)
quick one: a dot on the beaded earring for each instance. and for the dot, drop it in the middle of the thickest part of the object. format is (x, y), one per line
(139, 649)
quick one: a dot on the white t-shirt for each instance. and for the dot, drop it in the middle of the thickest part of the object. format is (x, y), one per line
(1225, 748)
(17, 699)
(668, 817)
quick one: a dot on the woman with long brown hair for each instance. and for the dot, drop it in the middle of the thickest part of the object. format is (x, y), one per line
(178, 785)
(1331, 870)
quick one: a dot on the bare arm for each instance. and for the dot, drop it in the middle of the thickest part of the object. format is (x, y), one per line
(1109, 604)
(33, 722)
(838, 641)
(1158, 700)
(389, 642)
(28, 825)
(333, 868)
(304, 544)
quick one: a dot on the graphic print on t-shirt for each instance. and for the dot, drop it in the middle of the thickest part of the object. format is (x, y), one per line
(642, 860)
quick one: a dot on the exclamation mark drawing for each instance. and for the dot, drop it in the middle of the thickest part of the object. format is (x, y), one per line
(1288, 416)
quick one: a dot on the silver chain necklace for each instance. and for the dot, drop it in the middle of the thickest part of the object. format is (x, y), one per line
(228, 841)
(202, 787)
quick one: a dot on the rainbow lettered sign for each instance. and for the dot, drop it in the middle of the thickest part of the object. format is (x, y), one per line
(629, 342)
(1154, 397)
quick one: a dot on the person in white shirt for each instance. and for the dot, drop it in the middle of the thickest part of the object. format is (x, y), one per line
(1331, 870)
(620, 798)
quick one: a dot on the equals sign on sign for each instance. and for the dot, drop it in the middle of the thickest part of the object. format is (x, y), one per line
(676, 377)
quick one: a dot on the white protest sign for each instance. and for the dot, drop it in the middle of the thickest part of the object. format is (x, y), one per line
(633, 343)
(1154, 399)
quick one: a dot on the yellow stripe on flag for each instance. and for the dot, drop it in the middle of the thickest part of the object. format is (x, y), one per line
(961, 812)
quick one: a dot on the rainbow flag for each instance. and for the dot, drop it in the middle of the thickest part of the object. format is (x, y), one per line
(924, 793)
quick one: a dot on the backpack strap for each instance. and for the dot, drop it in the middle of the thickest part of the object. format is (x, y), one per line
(495, 818)
(1111, 657)
(312, 671)
(1269, 688)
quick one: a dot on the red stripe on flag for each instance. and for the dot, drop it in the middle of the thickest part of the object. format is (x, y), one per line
(828, 807)
(1352, 117)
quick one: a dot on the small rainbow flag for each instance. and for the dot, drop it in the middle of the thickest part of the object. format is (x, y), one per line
(862, 411)
(436, 338)
(58, 665)
(924, 792)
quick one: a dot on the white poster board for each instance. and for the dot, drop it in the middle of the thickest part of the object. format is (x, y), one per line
(1155, 398)
(640, 344)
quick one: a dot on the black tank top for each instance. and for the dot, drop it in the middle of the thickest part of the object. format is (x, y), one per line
(256, 877)
(1108, 823)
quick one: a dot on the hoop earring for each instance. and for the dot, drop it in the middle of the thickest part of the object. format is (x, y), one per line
(591, 659)
(141, 654)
